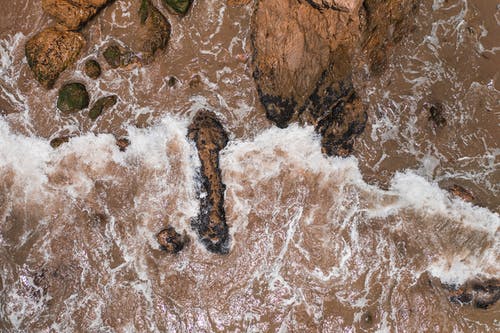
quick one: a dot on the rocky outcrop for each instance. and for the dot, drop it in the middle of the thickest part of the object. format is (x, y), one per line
(102, 104)
(73, 97)
(72, 13)
(50, 52)
(303, 61)
(210, 138)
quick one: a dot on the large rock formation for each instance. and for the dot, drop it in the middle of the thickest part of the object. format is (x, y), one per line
(210, 137)
(50, 52)
(303, 61)
(72, 13)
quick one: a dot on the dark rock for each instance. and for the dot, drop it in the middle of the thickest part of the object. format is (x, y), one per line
(72, 13)
(92, 69)
(178, 6)
(72, 97)
(195, 81)
(122, 143)
(436, 114)
(50, 52)
(479, 293)
(156, 30)
(462, 193)
(210, 138)
(102, 104)
(172, 81)
(170, 240)
(56, 142)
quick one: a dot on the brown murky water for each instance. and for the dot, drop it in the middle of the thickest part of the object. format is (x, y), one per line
(318, 244)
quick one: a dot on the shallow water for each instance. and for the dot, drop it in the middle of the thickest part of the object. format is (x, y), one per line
(318, 243)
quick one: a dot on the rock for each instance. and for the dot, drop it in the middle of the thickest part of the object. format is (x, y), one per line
(436, 114)
(178, 6)
(303, 65)
(479, 293)
(154, 31)
(102, 104)
(122, 143)
(92, 69)
(172, 81)
(210, 137)
(461, 192)
(73, 97)
(195, 81)
(72, 13)
(50, 52)
(116, 57)
(56, 142)
(171, 241)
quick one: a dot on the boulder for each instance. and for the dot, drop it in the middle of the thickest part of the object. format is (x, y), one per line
(461, 192)
(122, 143)
(73, 97)
(178, 6)
(102, 104)
(436, 114)
(92, 69)
(72, 13)
(56, 142)
(479, 293)
(303, 65)
(50, 52)
(210, 138)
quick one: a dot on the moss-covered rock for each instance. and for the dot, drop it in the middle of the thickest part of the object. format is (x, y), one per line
(50, 52)
(73, 97)
(102, 104)
(112, 55)
(178, 6)
(92, 69)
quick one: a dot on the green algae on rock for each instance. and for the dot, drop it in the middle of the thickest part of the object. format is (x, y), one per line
(102, 104)
(72, 97)
(92, 69)
(178, 6)
(50, 52)
(112, 55)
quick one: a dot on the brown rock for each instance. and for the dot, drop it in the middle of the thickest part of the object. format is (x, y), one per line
(210, 137)
(154, 30)
(123, 143)
(461, 192)
(436, 114)
(303, 64)
(56, 142)
(171, 241)
(92, 69)
(50, 52)
(72, 13)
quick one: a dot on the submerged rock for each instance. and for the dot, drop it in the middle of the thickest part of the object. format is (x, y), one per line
(50, 52)
(102, 104)
(72, 13)
(73, 97)
(303, 62)
(210, 138)
(171, 241)
(155, 30)
(479, 293)
(116, 57)
(436, 114)
(92, 69)
(178, 6)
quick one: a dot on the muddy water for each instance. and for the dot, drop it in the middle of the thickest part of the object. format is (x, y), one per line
(319, 244)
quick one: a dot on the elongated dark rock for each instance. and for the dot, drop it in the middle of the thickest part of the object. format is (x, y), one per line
(210, 138)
